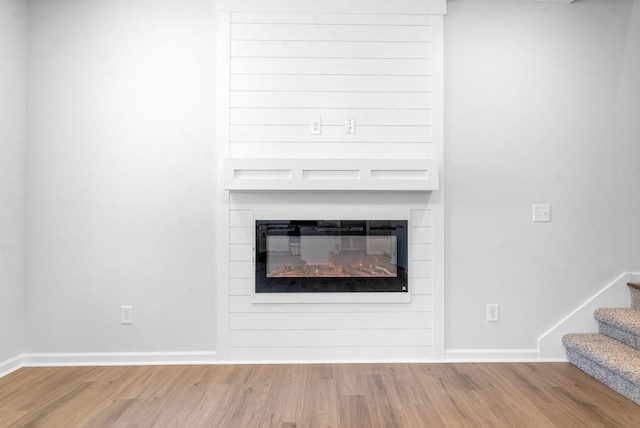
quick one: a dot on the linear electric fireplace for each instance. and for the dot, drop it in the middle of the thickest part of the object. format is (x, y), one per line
(331, 256)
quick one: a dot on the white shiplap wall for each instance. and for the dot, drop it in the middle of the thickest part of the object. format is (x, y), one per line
(338, 332)
(284, 70)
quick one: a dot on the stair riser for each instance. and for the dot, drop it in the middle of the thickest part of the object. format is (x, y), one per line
(625, 337)
(635, 298)
(606, 376)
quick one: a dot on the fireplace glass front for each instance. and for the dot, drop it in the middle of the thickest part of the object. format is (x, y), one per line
(331, 256)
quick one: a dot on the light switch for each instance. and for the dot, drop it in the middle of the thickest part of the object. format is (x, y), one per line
(541, 212)
(316, 126)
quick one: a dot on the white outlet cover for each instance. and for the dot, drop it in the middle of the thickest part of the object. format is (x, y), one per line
(541, 213)
(350, 126)
(126, 315)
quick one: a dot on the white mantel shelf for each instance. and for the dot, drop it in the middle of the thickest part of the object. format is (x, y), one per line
(403, 175)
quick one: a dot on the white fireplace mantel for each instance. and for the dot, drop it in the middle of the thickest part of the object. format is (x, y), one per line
(409, 175)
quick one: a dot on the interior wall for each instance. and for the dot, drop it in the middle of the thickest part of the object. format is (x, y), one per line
(628, 168)
(121, 180)
(530, 117)
(12, 166)
(120, 185)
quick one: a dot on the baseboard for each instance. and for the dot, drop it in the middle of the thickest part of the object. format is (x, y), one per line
(10, 365)
(491, 355)
(208, 358)
(118, 359)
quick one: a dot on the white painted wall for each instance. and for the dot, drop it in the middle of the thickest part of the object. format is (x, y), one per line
(628, 168)
(532, 92)
(121, 185)
(13, 32)
(121, 180)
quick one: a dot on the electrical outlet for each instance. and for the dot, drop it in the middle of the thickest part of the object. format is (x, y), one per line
(541, 213)
(350, 126)
(493, 313)
(126, 314)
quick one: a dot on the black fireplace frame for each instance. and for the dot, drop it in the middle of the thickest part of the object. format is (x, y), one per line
(397, 284)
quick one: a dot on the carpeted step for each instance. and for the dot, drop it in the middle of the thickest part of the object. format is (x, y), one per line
(634, 287)
(609, 361)
(622, 324)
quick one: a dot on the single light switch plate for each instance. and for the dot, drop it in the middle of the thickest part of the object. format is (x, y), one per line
(316, 126)
(126, 314)
(493, 312)
(541, 213)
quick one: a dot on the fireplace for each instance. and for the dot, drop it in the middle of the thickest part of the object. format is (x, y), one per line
(331, 256)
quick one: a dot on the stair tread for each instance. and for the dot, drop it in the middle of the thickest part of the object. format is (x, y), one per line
(635, 285)
(607, 352)
(627, 319)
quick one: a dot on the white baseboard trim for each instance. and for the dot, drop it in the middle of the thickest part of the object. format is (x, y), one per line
(11, 365)
(554, 360)
(209, 358)
(491, 355)
(338, 361)
(119, 359)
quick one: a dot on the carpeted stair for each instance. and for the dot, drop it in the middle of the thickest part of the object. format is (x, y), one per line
(613, 355)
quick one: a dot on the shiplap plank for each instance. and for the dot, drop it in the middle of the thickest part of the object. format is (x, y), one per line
(241, 253)
(241, 235)
(329, 49)
(421, 235)
(240, 218)
(404, 7)
(290, 338)
(422, 287)
(241, 286)
(421, 252)
(329, 321)
(322, 100)
(316, 83)
(330, 18)
(333, 353)
(380, 117)
(342, 150)
(243, 304)
(421, 269)
(332, 66)
(421, 218)
(241, 270)
(347, 33)
(390, 134)
(273, 204)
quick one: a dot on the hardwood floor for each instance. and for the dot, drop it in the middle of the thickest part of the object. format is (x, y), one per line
(349, 395)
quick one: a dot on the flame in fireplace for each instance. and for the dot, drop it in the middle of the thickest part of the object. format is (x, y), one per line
(340, 265)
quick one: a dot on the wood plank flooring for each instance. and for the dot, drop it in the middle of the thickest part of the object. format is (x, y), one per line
(332, 395)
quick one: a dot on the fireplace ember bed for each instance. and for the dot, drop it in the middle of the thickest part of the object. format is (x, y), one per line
(331, 256)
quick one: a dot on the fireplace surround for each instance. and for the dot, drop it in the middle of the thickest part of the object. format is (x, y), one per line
(331, 256)
(270, 167)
